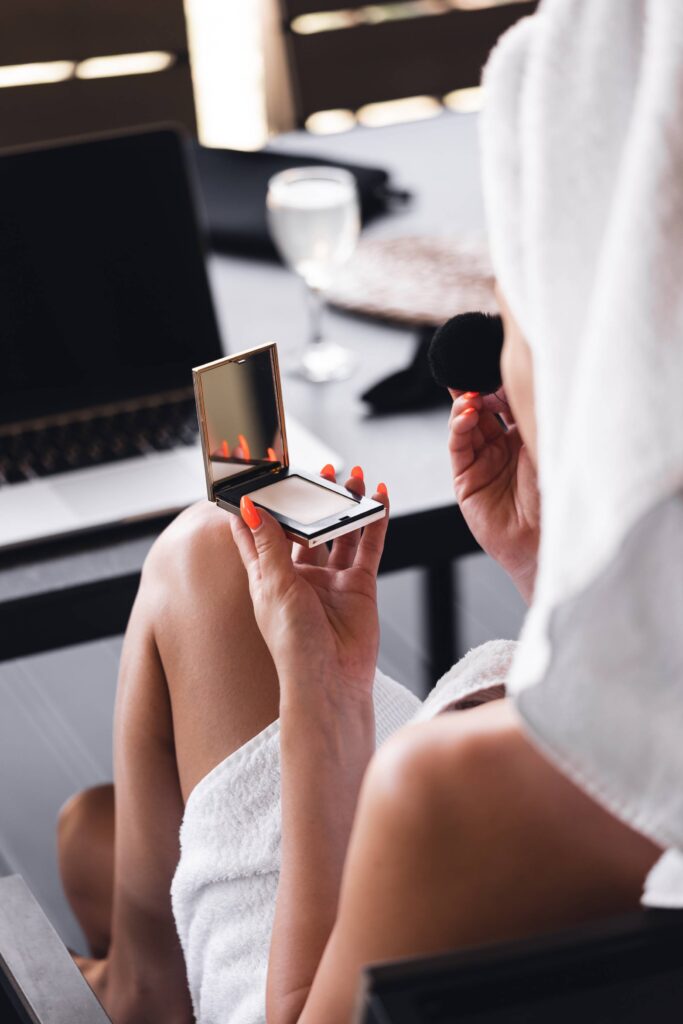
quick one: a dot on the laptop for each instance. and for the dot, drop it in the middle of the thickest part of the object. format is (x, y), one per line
(105, 308)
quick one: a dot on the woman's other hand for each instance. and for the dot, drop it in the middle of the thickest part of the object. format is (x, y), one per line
(319, 621)
(495, 483)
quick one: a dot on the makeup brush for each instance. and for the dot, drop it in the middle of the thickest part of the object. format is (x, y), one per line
(465, 353)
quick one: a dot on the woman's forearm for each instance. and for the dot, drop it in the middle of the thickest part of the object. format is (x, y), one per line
(325, 748)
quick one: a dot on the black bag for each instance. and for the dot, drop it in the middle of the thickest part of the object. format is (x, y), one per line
(234, 186)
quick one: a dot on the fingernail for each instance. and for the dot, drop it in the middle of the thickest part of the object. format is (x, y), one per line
(328, 472)
(382, 489)
(250, 513)
(468, 411)
(471, 394)
(357, 472)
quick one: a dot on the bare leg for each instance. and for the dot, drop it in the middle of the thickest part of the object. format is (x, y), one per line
(465, 834)
(85, 843)
(196, 682)
(221, 679)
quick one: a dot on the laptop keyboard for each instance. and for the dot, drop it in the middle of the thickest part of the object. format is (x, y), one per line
(80, 443)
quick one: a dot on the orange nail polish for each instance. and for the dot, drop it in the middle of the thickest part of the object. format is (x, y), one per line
(468, 411)
(250, 513)
(357, 473)
(244, 445)
(225, 449)
(328, 472)
(471, 394)
(382, 489)
(272, 457)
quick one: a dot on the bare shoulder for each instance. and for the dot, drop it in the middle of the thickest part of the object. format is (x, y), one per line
(482, 766)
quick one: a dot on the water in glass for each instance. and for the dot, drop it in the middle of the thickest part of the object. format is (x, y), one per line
(314, 219)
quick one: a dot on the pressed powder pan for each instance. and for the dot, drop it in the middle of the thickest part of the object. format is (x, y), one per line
(244, 443)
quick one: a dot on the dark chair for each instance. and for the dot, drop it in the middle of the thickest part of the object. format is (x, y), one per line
(426, 49)
(39, 982)
(623, 971)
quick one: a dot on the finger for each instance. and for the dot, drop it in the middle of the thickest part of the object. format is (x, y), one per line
(272, 548)
(311, 556)
(462, 429)
(356, 482)
(371, 543)
(498, 404)
(244, 542)
(467, 395)
(490, 426)
(464, 439)
(344, 548)
(466, 399)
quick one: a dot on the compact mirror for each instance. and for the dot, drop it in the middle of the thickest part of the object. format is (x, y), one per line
(241, 417)
(244, 443)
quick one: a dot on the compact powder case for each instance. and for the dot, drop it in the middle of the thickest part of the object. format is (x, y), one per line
(244, 442)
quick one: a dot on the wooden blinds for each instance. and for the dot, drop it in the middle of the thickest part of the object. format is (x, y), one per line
(40, 31)
(363, 53)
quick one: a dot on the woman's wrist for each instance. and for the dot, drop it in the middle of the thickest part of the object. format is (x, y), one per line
(325, 683)
(522, 572)
(335, 719)
(327, 705)
(518, 556)
(525, 581)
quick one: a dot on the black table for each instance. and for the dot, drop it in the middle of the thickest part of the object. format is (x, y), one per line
(81, 589)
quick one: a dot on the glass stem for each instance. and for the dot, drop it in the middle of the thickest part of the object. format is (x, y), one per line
(316, 304)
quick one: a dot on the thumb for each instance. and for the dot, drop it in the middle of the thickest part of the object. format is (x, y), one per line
(272, 548)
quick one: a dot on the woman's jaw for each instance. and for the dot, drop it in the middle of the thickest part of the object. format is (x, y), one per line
(517, 370)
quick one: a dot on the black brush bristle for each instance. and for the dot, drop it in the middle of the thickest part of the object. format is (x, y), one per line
(465, 353)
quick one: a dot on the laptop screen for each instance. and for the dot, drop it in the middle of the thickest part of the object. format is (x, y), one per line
(103, 288)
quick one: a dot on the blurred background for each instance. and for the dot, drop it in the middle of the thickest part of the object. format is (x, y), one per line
(239, 72)
(391, 84)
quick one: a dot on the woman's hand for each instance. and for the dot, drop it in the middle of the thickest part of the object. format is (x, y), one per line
(319, 620)
(495, 484)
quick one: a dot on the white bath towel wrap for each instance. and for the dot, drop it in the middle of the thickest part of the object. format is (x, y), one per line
(582, 146)
(225, 885)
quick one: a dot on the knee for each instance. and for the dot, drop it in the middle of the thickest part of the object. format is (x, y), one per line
(195, 551)
(84, 807)
(84, 826)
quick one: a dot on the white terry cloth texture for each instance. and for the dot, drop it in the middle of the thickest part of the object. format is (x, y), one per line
(224, 888)
(583, 180)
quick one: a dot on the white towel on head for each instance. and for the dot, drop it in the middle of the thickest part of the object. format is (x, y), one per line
(582, 144)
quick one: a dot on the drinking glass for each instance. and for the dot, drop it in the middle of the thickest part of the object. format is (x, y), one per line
(314, 220)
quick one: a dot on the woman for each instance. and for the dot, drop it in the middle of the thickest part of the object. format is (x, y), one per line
(490, 823)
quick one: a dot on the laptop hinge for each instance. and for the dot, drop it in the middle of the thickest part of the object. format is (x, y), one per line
(61, 419)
